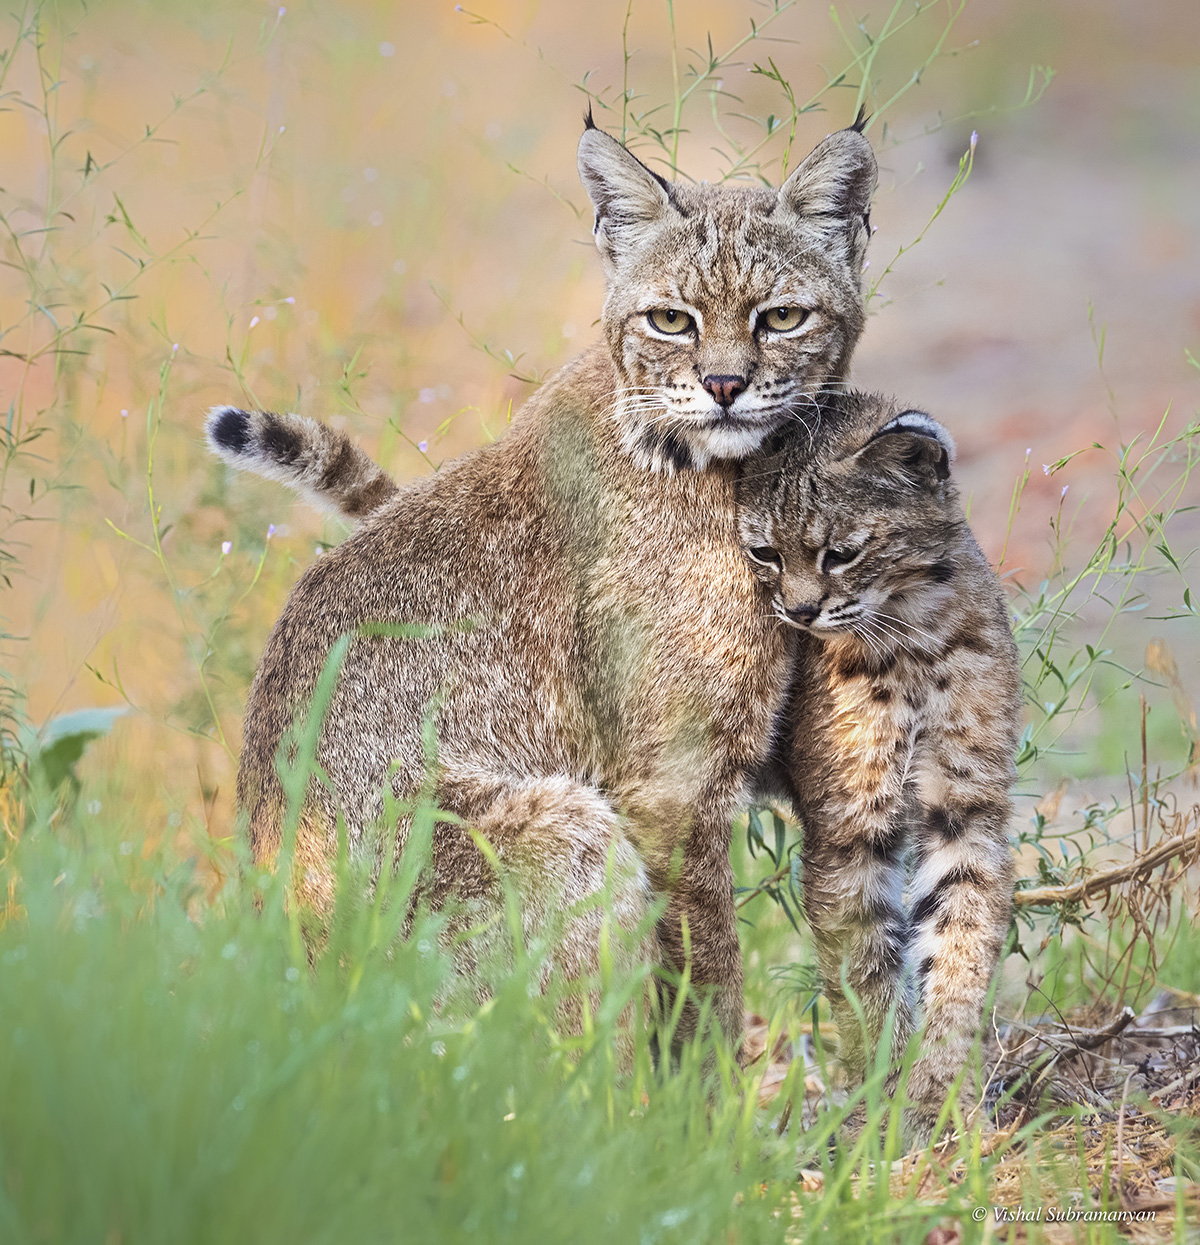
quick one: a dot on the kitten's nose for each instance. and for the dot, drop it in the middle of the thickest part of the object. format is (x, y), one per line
(803, 613)
(724, 388)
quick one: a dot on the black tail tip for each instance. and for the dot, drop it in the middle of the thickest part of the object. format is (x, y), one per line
(229, 429)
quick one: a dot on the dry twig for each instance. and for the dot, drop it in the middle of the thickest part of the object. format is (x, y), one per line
(1177, 846)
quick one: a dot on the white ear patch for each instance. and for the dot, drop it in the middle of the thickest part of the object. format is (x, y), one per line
(924, 426)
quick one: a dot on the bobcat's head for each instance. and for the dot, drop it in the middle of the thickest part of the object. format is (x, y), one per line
(859, 534)
(728, 306)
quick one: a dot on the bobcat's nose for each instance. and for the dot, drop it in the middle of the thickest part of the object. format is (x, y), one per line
(803, 613)
(724, 388)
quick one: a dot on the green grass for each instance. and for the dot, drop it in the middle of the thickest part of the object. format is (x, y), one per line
(165, 1078)
(171, 1071)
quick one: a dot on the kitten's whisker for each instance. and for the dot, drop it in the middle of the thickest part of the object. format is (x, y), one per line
(887, 641)
(882, 628)
(910, 626)
(865, 636)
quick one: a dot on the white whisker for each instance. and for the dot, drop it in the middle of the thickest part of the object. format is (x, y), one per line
(913, 628)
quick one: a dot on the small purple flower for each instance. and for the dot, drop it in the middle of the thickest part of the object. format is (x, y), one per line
(253, 321)
(423, 446)
(1045, 469)
(1064, 492)
(270, 531)
(226, 546)
(124, 413)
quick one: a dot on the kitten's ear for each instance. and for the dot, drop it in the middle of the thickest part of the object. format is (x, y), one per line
(911, 449)
(627, 196)
(837, 179)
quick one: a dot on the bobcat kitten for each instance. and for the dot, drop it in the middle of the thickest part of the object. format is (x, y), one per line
(615, 687)
(898, 739)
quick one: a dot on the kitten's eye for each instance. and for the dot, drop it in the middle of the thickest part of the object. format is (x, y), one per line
(670, 320)
(764, 555)
(833, 558)
(781, 319)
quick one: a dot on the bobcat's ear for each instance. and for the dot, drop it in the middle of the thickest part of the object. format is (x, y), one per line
(837, 179)
(628, 197)
(911, 449)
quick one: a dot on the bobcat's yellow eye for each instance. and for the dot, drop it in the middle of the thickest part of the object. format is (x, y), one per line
(781, 319)
(670, 320)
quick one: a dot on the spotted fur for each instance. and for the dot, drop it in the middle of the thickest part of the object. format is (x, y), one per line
(899, 737)
(590, 626)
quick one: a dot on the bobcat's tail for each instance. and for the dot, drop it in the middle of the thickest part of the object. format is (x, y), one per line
(324, 466)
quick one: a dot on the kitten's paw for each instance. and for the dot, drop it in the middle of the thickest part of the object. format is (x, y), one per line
(927, 1125)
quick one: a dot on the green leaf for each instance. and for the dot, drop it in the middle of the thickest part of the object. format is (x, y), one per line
(55, 749)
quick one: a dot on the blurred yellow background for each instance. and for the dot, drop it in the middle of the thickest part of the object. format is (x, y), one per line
(354, 210)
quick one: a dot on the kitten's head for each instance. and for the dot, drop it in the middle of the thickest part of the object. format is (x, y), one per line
(855, 531)
(728, 306)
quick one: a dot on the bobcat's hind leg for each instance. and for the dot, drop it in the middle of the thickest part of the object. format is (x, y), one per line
(579, 884)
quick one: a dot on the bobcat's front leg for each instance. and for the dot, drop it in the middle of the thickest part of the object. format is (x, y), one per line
(701, 896)
(848, 775)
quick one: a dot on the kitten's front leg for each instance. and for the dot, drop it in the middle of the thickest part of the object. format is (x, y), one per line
(846, 767)
(853, 898)
(961, 908)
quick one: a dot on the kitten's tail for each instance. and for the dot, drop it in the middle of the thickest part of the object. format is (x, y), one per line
(324, 466)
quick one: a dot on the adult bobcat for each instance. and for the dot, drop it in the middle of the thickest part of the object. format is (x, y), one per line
(900, 734)
(616, 686)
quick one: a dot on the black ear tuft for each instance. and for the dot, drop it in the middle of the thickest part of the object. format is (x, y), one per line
(860, 122)
(229, 428)
(589, 122)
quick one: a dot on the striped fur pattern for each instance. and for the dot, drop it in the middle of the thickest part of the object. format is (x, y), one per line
(898, 742)
(596, 668)
(325, 466)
